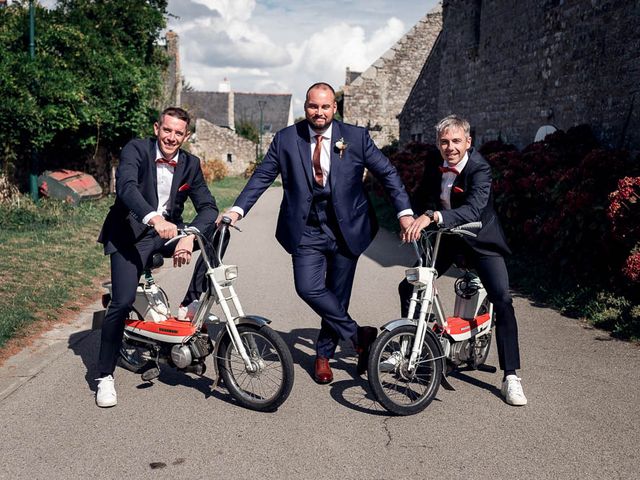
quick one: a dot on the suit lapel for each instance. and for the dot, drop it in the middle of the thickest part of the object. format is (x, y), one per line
(304, 148)
(154, 170)
(178, 175)
(336, 161)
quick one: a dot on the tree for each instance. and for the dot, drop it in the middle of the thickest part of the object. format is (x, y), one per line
(92, 84)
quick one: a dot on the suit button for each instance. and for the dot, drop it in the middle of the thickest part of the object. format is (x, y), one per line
(308, 199)
(304, 217)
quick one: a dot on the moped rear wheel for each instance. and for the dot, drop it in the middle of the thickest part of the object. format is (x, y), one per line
(398, 389)
(269, 385)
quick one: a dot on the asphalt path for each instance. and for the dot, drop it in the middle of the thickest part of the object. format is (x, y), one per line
(582, 420)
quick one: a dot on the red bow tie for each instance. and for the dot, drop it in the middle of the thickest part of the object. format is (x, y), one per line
(171, 163)
(448, 169)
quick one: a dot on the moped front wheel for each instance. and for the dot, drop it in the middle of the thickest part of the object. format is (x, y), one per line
(268, 383)
(398, 388)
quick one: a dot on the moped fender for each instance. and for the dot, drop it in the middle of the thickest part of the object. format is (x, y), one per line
(401, 322)
(247, 319)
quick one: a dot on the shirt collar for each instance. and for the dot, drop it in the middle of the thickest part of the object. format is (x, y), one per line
(160, 155)
(460, 166)
(325, 134)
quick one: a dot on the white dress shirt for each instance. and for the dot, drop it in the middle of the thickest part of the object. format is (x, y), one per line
(447, 184)
(164, 174)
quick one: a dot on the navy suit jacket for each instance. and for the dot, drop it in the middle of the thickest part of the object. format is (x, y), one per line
(290, 156)
(471, 201)
(137, 195)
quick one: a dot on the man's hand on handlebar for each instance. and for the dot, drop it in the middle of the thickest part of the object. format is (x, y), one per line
(413, 232)
(183, 251)
(234, 216)
(165, 228)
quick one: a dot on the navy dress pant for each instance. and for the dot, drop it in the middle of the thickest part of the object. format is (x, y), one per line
(127, 264)
(323, 272)
(494, 276)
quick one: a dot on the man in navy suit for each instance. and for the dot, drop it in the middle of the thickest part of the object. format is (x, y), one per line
(326, 220)
(153, 180)
(455, 192)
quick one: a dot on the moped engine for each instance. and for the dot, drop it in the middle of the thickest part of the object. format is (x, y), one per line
(473, 352)
(198, 347)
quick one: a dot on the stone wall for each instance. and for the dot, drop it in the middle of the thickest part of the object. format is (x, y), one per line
(172, 76)
(214, 142)
(512, 67)
(376, 97)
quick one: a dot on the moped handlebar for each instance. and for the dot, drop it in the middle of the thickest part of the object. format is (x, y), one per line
(431, 253)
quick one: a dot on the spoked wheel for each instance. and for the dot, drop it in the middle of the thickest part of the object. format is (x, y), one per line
(398, 389)
(269, 384)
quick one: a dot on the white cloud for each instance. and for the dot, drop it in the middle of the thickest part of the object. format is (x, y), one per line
(278, 46)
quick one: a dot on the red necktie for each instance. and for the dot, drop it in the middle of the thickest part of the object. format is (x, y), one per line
(171, 163)
(448, 169)
(317, 169)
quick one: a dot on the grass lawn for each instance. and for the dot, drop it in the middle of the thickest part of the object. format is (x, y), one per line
(51, 262)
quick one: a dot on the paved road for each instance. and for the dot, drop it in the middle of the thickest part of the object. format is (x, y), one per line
(582, 420)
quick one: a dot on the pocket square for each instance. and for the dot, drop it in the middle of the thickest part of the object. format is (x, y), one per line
(184, 188)
(457, 190)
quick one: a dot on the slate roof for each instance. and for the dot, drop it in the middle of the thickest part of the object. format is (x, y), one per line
(213, 107)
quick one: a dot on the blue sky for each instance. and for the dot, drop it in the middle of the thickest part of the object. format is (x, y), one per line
(283, 46)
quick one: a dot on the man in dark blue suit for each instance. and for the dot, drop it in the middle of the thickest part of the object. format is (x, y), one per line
(455, 192)
(326, 220)
(153, 180)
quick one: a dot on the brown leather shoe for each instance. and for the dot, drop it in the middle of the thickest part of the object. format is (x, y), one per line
(323, 373)
(366, 336)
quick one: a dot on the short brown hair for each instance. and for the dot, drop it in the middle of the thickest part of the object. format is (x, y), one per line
(177, 112)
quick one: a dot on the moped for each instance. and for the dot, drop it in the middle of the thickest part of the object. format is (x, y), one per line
(252, 359)
(412, 356)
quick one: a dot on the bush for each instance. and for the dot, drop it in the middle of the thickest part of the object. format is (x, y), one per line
(214, 170)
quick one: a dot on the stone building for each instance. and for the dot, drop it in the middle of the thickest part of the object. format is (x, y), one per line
(213, 142)
(172, 85)
(514, 67)
(375, 97)
(227, 109)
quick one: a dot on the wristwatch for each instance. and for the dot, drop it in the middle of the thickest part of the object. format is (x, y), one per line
(429, 213)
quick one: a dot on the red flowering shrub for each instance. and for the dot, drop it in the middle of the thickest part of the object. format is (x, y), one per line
(631, 269)
(624, 210)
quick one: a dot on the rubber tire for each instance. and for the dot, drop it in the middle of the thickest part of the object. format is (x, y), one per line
(243, 397)
(375, 380)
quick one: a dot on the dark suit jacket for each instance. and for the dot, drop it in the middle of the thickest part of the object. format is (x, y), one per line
(137, 195)
(290, 156)
(471, 201)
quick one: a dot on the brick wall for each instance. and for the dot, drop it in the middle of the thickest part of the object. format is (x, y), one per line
(511, 67)
(376, 97)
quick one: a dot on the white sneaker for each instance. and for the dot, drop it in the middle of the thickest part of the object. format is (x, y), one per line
(106, 394)
(512, 391)
(186, 314)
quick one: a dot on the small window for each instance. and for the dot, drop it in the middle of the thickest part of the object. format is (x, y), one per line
(229, 157)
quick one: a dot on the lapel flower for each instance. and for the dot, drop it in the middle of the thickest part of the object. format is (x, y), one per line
(341, 145)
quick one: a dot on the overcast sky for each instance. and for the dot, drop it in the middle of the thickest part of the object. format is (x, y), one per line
(283, 46)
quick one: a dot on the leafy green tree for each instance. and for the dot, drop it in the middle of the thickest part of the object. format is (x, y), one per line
(93, 85)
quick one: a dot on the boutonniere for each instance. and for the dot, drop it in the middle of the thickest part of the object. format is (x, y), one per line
(341, 145)
(184, 188)
(457, 190)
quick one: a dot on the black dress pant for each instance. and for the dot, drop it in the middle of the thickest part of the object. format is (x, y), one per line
(127, 264)
(494, 276)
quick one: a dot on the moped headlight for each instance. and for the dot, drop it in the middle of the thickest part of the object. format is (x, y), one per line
(231, 272)
(412, 275)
